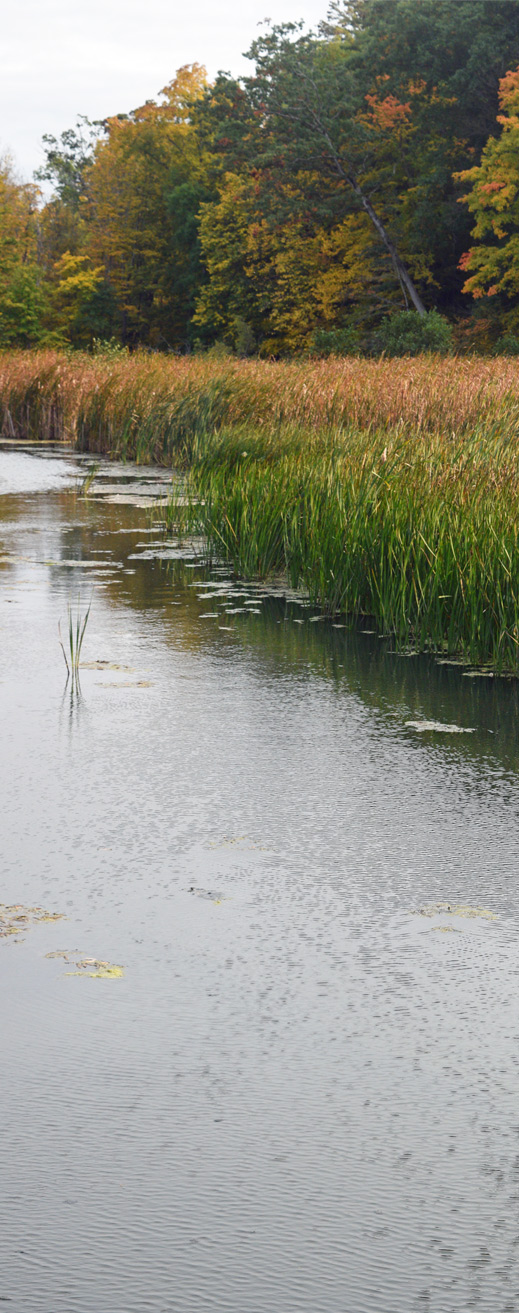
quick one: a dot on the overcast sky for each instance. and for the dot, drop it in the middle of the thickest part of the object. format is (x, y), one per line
(61, 58)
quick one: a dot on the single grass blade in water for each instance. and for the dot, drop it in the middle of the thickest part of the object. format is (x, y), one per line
(77, 624)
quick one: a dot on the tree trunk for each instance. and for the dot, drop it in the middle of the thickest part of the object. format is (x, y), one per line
(403, 276)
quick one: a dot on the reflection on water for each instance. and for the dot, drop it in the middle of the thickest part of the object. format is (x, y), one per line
(301, 1095)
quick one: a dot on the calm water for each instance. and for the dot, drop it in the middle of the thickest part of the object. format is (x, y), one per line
(302, 1096)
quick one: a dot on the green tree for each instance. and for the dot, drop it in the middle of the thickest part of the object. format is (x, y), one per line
(492, 262)
(301, 116)
(452, 54)
(22, 286)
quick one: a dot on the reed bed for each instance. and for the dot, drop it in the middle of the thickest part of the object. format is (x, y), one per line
(420, 536)
(387, 488)
(158, 408)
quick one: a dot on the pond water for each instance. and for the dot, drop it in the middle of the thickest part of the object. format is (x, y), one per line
(302, 1094)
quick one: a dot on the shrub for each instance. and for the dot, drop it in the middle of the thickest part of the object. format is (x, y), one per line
(507, 345)
(336, 342)
(410, 334)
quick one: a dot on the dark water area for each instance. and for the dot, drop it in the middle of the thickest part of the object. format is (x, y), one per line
(302, 1096)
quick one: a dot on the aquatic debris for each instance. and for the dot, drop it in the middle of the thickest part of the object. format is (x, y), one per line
(455, 909)
(208, 894)
(16, 918)
(446, 929)
(99, 969)
(209, 615)
(421, 726)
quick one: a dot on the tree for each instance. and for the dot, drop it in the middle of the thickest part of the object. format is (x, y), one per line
(143, 191)
(451, 53)
(493, 261)
(301, 114)
(283, 280)
(22, 290)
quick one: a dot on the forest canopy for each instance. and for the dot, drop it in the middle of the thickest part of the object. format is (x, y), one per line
(360, 178)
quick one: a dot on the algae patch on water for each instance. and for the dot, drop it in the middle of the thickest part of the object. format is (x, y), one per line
(92, 967)
(16, 918)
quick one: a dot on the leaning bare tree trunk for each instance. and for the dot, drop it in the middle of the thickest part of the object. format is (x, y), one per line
(402, 273)
(403, 276)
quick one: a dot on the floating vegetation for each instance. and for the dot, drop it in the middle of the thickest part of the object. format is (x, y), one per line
(230, 843)
(456, 909)
(93, 967)
(126, 683)
(446, 929)
(421, 726)
(16, 918)
(105, 665)
(208, 894)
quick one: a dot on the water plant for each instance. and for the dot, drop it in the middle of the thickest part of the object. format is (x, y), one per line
(77, 623)
(89, 478)
(420, 536)
(386, 487)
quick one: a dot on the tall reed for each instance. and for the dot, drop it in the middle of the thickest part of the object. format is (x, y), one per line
(163, 408)
(422, 536)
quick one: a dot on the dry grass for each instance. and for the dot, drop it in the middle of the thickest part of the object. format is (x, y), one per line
(155, 407)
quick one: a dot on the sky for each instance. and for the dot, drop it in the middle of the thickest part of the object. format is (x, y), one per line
(61, 58)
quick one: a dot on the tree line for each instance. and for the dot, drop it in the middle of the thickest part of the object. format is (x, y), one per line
(357, 191)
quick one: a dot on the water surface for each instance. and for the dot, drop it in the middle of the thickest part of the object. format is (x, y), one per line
(302, 1096)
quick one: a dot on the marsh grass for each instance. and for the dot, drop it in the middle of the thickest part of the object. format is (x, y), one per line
(77, 623)
(423, 537)
(161, 408)
(387, 488)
